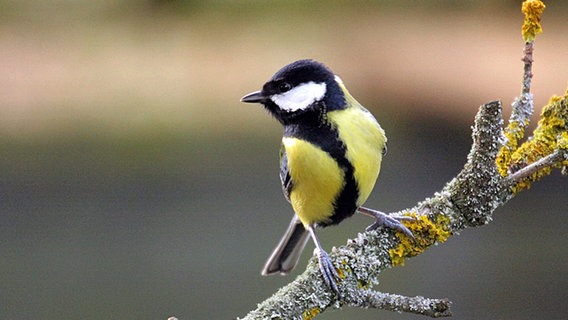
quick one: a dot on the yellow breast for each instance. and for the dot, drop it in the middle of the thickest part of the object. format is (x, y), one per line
(317, 180)
(365, 141)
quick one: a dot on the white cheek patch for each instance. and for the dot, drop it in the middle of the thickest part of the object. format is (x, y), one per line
(300, 97)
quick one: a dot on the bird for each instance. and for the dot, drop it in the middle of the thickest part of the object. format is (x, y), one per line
(330, 158)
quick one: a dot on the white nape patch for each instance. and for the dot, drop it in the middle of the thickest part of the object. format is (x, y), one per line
(300, 97)
(338, 80)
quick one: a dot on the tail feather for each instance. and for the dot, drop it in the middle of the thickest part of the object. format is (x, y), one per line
(287, 253)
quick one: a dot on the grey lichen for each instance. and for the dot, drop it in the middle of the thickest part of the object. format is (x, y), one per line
(476, 191)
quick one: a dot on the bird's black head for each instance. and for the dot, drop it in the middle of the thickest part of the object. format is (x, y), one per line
(302, 89)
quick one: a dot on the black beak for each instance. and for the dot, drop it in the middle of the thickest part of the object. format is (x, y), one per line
(254, 97)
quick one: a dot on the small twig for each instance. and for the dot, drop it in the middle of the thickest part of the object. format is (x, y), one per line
(434, 308)
(523, 106)
(532, 168)
(527, 74)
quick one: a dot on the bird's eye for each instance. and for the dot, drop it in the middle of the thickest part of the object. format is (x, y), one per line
(284, 86)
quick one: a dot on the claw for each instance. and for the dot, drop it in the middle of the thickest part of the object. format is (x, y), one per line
(384, 220)
(328, 271)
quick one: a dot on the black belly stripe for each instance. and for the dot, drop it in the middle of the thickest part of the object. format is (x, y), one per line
(327, 138)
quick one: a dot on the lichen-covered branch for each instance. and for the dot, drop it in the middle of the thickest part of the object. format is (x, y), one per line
(467, 200)
(499, 166)
(434, 308)
(546, 149)
(533, 168)
(523, 106)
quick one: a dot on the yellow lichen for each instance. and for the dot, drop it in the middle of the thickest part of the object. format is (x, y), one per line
(426, 232)
(563, 141)
(550, 135)
(310, 314)
(362, 284)
(342, 272)
(513, 133)
(531, 27)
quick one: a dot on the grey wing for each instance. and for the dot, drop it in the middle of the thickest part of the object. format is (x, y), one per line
(285, 177)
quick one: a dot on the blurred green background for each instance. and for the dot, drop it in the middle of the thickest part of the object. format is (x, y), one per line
(134, 185)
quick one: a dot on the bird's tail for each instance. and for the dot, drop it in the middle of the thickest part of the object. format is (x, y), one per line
(287, 253)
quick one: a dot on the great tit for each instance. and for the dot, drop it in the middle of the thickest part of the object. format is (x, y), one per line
(330, 158)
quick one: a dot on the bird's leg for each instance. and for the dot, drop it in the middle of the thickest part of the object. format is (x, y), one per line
(384, 220)
(327, 269)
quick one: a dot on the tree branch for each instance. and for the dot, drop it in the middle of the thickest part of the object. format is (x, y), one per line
(497, 169)
(434, 308)
(542, 163)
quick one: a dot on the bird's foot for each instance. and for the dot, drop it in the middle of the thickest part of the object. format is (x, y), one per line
(328, 271)
(384, 220)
